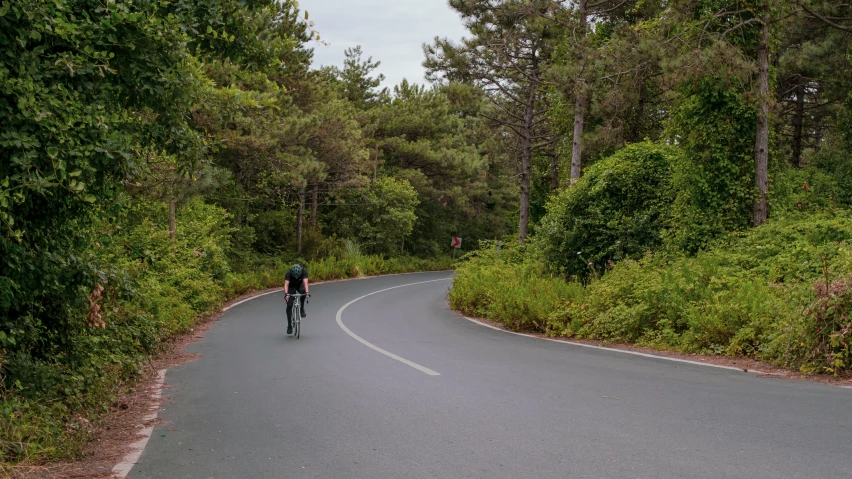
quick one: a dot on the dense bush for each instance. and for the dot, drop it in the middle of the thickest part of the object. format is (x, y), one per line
(835, 160)
(153, 288)
(380, 218)
(509, 287)
(780, 293)
(273, 231)
(713, 180)
(803, 190)
(617, 210)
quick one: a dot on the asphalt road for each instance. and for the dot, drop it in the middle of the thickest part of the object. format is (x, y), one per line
(260, 404)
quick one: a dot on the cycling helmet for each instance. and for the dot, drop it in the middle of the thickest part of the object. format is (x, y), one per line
(296, 271)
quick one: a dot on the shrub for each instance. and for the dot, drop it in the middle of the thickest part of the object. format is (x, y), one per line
(809, 189)
(617, 210)
(154, 288)
(384, 216)
(713, 178)
(835, 160)
(508, 287)
(274, 231)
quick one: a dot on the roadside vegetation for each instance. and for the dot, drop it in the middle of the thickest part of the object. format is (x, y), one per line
(707, 208)
(750, 295)
(160, 158)
(676, 174)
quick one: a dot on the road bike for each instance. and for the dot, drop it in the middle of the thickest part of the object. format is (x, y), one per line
(296, 313)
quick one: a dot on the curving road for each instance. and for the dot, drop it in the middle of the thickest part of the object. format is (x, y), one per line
(259, 404)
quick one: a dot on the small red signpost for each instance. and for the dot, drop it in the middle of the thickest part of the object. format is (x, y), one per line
(456, 244)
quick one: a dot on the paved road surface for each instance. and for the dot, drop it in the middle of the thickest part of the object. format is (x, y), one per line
(259, 404)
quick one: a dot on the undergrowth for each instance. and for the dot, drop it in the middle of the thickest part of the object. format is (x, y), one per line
(781, 293)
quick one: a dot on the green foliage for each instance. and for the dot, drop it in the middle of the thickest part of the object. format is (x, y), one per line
(835, 160)
(617, 210)
(359, 86)
(273, 231)
(714, 127)
(380, 219)
(430, 138)
(809, 189)
(60, 369)
(508, 287)
(761, 294)
(827, 332)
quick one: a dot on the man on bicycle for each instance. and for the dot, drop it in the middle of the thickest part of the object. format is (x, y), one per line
(295, 282)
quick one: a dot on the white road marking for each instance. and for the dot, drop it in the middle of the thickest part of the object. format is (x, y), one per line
(634, 353)
(122, 469)
(623, 351)
(373, 346)
(277, 290)
(253, 297)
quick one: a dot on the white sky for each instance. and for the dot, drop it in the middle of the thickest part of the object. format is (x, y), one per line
(391, 31)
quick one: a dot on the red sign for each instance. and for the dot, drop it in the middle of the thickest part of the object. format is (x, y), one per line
(456, 242)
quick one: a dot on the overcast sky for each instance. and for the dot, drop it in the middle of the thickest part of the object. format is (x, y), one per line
(392, 32)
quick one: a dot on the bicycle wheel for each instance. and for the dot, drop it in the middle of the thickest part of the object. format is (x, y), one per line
(292, 322)
(298, 329)
(297, 321)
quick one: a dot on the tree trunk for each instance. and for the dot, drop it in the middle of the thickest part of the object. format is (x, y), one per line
(299, 218)
(580, 104)
(636, 135)
(577, 147)
(314, 206)
(798, 119)
(819, 126)
(172, 227)
(526, 163)
(554, 172)
(761, 160)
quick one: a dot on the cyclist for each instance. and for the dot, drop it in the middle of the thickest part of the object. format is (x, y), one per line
(295, 281)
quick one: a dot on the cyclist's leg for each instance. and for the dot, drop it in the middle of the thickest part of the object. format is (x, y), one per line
(303, 298)
(290, 314)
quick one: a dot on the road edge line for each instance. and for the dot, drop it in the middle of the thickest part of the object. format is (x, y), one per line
(122, 469)
(339, 318)
(616, 350)
(278, 290)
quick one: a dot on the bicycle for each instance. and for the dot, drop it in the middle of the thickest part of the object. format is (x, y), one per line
(296, 312)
